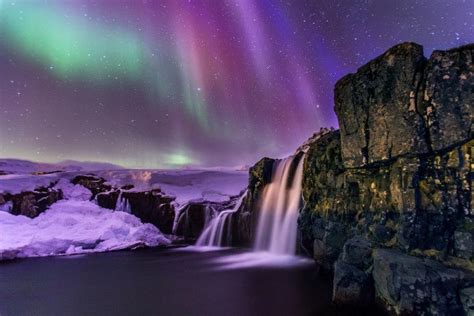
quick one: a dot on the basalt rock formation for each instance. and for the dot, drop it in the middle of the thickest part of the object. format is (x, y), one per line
(31, 203)
(150, 206)
(388, 200)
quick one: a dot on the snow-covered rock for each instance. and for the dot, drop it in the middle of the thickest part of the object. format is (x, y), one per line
(73, 191)
(73, 227)
(185, 185)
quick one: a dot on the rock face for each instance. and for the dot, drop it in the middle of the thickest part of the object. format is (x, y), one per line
(150, 206)
(94, 183)
(388, 200)
(31, 203)
(244, 220)
(378, 110)
(449, 98)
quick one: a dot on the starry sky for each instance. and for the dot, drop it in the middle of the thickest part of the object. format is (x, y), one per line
(165, 84)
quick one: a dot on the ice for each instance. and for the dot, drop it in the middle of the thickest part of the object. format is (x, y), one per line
(74, 227)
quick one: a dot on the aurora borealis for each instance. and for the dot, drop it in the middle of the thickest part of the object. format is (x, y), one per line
(206, 83)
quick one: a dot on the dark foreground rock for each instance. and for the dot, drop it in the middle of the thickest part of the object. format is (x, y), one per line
(31, 203)
(388, 200)
(150, 206)
(92, 182)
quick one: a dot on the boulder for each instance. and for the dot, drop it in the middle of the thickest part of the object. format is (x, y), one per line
(351, 285)
(149, 206)
(357, 251)
(414, 286)
(33, 203)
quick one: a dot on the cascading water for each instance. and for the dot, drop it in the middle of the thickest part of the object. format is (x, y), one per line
(277, 223)
(219, 231)
(123, 205)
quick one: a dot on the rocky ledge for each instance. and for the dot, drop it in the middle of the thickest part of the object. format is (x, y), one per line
(388, 198)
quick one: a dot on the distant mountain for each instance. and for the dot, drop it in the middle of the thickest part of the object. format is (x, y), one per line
(25, 166)
(87, 165)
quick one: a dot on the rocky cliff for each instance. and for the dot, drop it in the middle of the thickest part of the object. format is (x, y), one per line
(388, 197)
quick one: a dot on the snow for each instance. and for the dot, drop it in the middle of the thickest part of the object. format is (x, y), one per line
(73, 192)
(6, 207)
(185, 185)
(26, 166)
(16, 183)
(24, 175)
(213, 185)
(74, 227)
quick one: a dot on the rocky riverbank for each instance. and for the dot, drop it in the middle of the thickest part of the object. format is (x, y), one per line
(388, 205)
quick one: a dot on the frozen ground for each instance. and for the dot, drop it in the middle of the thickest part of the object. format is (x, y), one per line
(76, 225)
(73, 227)
(186, 185)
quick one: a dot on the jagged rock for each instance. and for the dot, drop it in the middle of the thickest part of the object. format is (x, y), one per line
(260, 174)
(415, 286)
(108, 199)
(94, 183)
(193, 219)
(377, 107)
(245, 219)
(449, 97)
(351, 285)
(243, 223)
(152, 207)
(32, 203)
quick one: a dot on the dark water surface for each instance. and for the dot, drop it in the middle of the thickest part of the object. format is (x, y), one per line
(161, 282)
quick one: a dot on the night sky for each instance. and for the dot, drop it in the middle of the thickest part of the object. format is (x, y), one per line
(193, 83)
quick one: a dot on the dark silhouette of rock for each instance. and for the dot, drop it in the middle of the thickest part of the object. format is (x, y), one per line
(32, 203)
(92, 182)
(196, 215)
(150, 206)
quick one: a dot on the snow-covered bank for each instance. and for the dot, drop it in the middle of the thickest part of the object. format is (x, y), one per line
(70, 220)
(184, 185)
(74, 227)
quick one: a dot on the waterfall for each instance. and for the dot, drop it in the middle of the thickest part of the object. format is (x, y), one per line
(277, 223)
(219, 231)
(122, 204)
